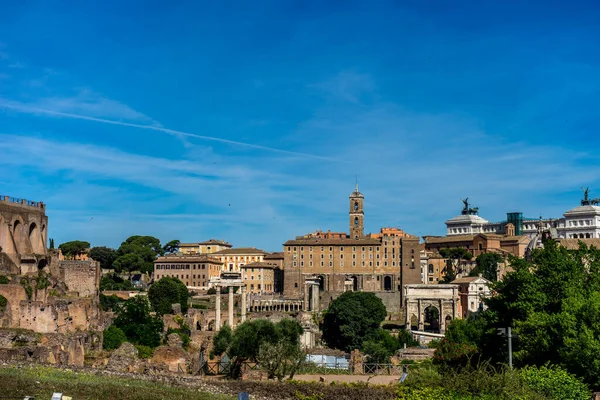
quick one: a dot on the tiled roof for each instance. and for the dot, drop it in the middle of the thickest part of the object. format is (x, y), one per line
(239, 250)
(573, 244)
(449, 239)
(467, 279)
(274, 256)
(174, 258)
(208, 242)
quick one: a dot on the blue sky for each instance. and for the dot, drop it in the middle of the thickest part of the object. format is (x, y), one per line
(248, 121)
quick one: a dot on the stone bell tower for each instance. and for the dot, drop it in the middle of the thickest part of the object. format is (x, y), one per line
(357, 214)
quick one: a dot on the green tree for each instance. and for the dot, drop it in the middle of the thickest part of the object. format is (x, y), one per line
(171, 247)
(352, 318)
(74, 248)
(280, 359)
(245, 342)
(113, 338)
(110, 303)
(146, 248)
(114, 282)
(406, 338)
(487, 266)
(168, 291)
(134, 319)
(555, 383)
(51, 247)
(453, 258)
(129, 263)
(380, 347)
(104, 255)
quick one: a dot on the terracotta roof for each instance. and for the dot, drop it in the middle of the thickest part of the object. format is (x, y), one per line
(210, 241)
(173, 258)
(240, 250)
(573, 244)
(274, 256)
(519, 238)
(332, 242)
(259, 265)
(468, 279)
(449, 239)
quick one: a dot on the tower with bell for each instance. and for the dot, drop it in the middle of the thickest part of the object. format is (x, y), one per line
(357, 214)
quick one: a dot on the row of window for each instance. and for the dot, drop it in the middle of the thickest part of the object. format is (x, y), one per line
(310, 248)
(385, 264)
(241, 258)
(180, 266)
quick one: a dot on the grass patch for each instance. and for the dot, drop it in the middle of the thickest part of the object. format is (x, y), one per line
(41, 382)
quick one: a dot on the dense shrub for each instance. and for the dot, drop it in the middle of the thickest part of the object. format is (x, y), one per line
(555, 382)
(166, 292)
(3, 303)
(144, 351)
(113, 338)
(4, 280)
(109, 303)
(114, 282)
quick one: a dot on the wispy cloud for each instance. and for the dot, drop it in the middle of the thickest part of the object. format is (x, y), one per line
(118, 109)
(348, 86)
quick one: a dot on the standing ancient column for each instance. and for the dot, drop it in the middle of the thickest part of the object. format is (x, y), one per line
(306, 289)
(243, 289)
(231, 307)
(218, 309)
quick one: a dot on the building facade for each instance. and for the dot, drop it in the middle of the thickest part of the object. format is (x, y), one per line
(472, 291)
(233, 259)
(207, 247)
(259, 277)
(380, 263)
(195, 271)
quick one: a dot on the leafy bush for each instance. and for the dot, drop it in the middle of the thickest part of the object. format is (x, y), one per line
(113, 338)
(110, 303)
(114, 282)
(134, 318)
(555, 382)
(144, 351)
(405, 337)
(4, 280)
(166, 292)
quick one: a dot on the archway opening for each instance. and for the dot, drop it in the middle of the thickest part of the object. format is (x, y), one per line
(354, 283)
(414, 323)
(387, 283)
(321, 279)
(356, 206)
(432, 319)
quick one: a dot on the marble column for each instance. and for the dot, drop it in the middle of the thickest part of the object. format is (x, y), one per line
(243, 289)
(230, 315)
(421, 317)
(218, 309)
(442, 319)
(306, 289)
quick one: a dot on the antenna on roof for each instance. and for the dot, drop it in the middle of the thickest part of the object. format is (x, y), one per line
(357, 182)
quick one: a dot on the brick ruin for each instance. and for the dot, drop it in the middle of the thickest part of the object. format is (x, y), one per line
(51, 312)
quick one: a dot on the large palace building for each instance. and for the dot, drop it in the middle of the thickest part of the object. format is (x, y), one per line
(381, 263)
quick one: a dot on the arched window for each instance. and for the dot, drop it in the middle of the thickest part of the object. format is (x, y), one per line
(355, 221)
(356, 206)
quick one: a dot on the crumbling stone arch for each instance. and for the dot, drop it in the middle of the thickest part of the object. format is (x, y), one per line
(443, 298)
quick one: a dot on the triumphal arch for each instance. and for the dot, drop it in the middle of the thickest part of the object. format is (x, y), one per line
(431, 307)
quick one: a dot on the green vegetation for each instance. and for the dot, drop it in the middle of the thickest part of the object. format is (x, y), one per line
(487, 266)
(42, 281)
(113, 282)
(113, 338)
(27, 286)
(168, 291)
(351, 319)
(42, 382)
(134, 319)
(51, 246)
(104, 255)
(553, 305)
(171, 247)
(246, 342)
(110, 303)
(144, 351)
(74, 248)
(3, 303)
(4, 280)
(453, 258)
(138, 253)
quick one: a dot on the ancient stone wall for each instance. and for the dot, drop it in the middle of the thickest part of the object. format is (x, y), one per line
(14, 293)
(59, 315)
(82, 277)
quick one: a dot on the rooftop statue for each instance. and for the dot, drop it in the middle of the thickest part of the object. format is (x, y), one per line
(468, 210)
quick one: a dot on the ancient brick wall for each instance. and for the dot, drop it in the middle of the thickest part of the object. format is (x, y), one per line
(82, 277)
(59, 315)
(14, 293)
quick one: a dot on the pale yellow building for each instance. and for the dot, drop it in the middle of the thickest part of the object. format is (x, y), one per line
(194, 270)
(207, 247)
(259, 277)
(233, 259)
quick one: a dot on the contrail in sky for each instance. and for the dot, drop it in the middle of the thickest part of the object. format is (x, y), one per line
(26, 109)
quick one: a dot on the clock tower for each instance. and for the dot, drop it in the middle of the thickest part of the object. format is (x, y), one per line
(357, 214)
